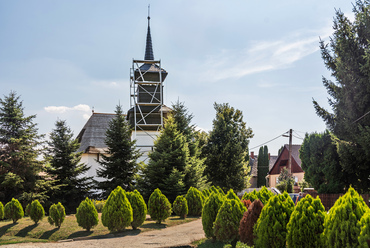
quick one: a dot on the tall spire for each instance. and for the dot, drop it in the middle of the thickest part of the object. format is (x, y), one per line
(149, 49)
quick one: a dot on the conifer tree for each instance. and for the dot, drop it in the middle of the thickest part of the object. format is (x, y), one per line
(168, 163)
(20, 146)
(119, 166)
(66, 167)
(227, 149)
(263, 166)
(347, 57)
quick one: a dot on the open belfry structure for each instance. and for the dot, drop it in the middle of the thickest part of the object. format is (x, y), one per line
(146, 114)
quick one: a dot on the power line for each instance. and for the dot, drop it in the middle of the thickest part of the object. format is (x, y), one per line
(361, 117)
(268, 141)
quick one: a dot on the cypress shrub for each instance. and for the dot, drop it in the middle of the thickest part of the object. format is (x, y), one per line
(364, 238)
(99, 205)
(117, 211)
(209, 214)
(270, 229)
(206, 193)
(264, 195)
(306, 223)
(1, 211)
(36, 211)
(180, 206)
(159, 207)
(13, 210)
(246, 203)
(250, 196)
(87, 215)
(139, 208)
(341, 226)
(226, 226)
(195, 201)
(57, 214)
(248, 221)
(27, 210)
(232, 196)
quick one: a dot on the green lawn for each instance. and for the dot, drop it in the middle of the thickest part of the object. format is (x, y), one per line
(26, 231)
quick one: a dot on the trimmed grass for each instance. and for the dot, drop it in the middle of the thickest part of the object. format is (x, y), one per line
(26, 231)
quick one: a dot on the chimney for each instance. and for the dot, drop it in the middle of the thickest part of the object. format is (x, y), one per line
(252, 155)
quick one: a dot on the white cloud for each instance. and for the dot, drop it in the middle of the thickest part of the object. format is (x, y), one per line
(261, 56)
(112, 84)
(64, 109)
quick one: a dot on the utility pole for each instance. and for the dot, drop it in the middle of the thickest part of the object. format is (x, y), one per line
(290, 152)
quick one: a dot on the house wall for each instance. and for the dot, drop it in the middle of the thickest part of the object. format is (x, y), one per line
(91, 160)
(145, 143)
(272, 178)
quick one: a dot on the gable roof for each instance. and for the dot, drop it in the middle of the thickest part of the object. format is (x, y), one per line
(92, 135)
(282, 160)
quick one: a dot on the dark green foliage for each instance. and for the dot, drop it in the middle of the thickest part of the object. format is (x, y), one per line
(271, 227)
(139, 208)
(226, 226)
(306, 224)
(263, 166)
(347, 57)
(1, 211)
(19, 151)
(195, 201)
(320, 162)
(36, 211)
(117, 211)
(250, 196)
(118, 166)
(209, 214)
(364, 237)
(159, 207)
(65, 166)
(57, 214)
(341, 227)
(27, 210)
(180, 206)
(13, 210)
(248, 221)
(87, 215)
(227, 149)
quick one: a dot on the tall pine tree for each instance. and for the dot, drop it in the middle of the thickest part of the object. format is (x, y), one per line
(347, 57)
(119, 165)
(20, 168)
(227, 149)
(65, 166)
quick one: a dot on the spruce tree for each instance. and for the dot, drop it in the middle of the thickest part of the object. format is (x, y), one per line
(168, 163)
(347, 57)
(65, 166)
(227, 149)
(20, 146)
(119, 165)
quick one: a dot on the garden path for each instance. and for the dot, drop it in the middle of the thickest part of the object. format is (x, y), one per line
(175, 236)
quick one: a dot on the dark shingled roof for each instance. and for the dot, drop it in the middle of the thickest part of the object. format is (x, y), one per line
(92, 135)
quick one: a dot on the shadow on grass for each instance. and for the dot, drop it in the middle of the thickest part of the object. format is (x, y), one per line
(154, 226)
(5, 228)
(208, 243)
(23, 232)
(47, 235)
(85, 234)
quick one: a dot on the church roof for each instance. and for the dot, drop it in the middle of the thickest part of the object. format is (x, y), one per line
(149, 55)
(92, 135)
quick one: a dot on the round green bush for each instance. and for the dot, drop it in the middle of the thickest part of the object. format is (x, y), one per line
(1, 211)
(36, 211)
(248, 221)
(87, 215)
(226, 226)
(139, 208)
(117, 211)
(209, 214)
(13, 210)
(180, 206)
(306, 224)
(195, 201)
(341, 227)
(57, 214)
(159, 207)
(271, 227)
(364, 237)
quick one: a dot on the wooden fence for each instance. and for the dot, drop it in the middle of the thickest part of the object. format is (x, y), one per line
(328, 200)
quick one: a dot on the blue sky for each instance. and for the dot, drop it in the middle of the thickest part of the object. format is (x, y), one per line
(67, 57)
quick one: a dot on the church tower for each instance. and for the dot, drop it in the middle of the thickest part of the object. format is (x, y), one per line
(147, 108)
